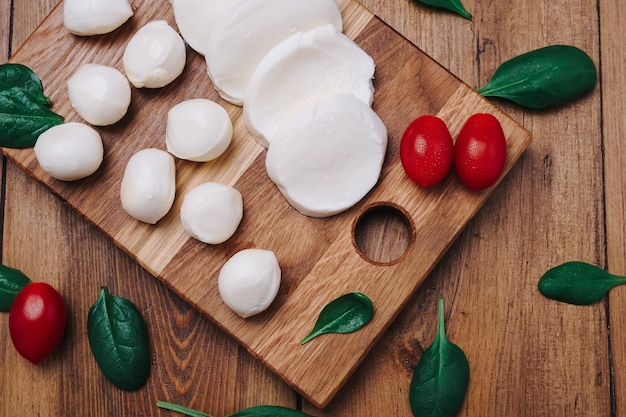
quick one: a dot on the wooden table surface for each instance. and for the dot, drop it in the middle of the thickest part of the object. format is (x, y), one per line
(529, 356)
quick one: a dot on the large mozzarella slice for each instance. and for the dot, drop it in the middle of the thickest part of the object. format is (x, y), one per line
(306, 67)
(197, 18)
(326, 158)
(249, 29)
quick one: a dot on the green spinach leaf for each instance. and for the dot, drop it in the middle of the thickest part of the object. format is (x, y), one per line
(118, 338)
(441, 377)
(345, 314)
(18, 75)
(11, 282)
(578, 283)
(257, 411)
(543, 78)
(453, 5)
(23, 118)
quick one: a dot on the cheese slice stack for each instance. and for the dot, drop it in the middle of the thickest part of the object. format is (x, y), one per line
(306, 91)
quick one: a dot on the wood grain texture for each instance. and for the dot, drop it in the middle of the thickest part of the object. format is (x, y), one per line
(528, 356)
(318, 258)
(614, 131)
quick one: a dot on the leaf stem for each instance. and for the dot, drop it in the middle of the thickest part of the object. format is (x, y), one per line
(181, 409)
(441, 320)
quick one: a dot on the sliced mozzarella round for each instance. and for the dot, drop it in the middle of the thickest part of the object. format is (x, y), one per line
(95, 17)
(100, 94)
(198, 130)
(306, 67)
(69, 151)
(197, 18)
(249, 29)
(211, 212)
(155, 55)
(329, 156)
(249, 281)
(149, 185)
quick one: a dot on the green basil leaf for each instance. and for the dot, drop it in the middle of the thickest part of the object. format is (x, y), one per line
(543, 78)
(23, 118)
(578, 283)
(118, 339)
(18, 75)
(453, 5)
(345, 314)
(441, 377)
(180, 409)
(11, 282)
(269, 411)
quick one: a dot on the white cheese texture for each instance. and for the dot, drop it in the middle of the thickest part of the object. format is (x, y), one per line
(197, 18)
(154, 56)
(149, 185)
(326, 158)
(198, 130)
(211, 212)
(249, 281)
(95, 17)
(246, 32)
(100, 94)
(69, 151)
(306, 67)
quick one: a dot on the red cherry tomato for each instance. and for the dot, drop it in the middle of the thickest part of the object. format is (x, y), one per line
(37, 321)
(427, 150)
(480, 152)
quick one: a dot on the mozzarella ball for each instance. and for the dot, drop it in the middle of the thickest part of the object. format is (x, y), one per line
(155, 55)
(69, 151)
(249, 281)
(100, 94)
(211, 212)
(149, 185)
(198, 130)
(95, 17)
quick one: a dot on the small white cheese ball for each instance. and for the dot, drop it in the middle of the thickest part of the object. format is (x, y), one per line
(100, 94)
(155, 55)
(149, 185)
(211, 212)
(198, 130)
(95, 17)
(69, 151)
(249, 281)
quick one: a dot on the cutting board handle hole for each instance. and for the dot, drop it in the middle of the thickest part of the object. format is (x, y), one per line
(383, 233)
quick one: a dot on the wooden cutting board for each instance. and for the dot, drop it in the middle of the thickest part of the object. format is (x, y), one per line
(319, 257)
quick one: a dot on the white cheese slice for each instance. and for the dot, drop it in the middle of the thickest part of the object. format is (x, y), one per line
(149, 185)
(249, 281)
(197, 18)
(249, 29)
(326, 158)
(306, 67)
(211, 212)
